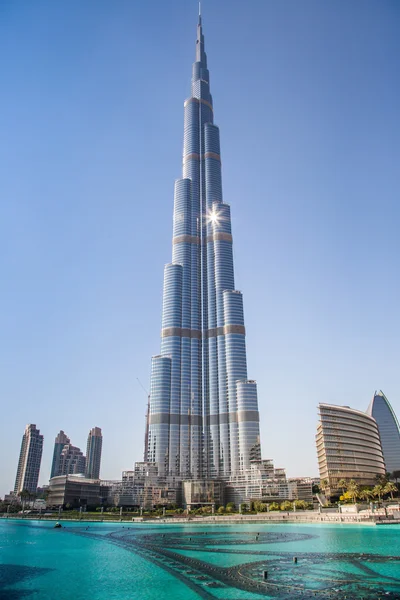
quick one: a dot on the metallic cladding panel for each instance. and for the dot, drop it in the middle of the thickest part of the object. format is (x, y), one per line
(160, 393)
(249, 427)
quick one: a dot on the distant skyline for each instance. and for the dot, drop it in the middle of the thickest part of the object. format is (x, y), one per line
(307, 99)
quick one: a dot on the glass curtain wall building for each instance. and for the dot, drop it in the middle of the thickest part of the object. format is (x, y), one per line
(389, 432)
(203, 417)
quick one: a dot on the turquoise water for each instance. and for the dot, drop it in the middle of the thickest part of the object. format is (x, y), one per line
(185, 562)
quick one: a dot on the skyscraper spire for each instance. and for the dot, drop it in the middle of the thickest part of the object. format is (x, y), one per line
(203, 419)
(200, 54)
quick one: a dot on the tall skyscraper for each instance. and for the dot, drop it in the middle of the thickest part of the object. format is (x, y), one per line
(348, 446)
(93, 453)
(30, 458)
(204, 420)
(389, 431)
(59, 444)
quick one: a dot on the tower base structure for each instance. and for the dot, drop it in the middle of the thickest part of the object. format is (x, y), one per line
(145, 487)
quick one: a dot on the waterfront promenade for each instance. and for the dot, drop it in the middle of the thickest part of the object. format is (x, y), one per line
(389, 515)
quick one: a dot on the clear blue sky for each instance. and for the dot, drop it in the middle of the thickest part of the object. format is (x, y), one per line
(307, 97)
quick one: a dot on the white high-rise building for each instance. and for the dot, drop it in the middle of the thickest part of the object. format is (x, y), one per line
(30, 458)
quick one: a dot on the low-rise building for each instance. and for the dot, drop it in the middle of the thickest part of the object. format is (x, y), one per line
(261, 482)
(300, 489)
(76, 491)
(202, 492)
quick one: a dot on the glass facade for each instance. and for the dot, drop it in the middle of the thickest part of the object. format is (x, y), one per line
(389, 432)
(203, 418)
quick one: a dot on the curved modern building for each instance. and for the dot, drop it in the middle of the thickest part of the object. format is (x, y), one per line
(348, 446)
(203, 417)
(389, 431)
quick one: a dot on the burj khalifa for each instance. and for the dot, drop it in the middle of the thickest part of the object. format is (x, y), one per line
(203, 417)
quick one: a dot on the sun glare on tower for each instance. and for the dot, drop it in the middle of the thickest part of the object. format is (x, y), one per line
(213, 216)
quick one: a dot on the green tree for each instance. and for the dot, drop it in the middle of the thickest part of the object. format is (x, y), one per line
(286, 505)
(353, 490)
(366, 495)
(24, 495)
(382, 479)
(300, 505)
(274, 506)
(389, 488)
(221, 510)
(378, 491)
(324, 485)
(342, 483)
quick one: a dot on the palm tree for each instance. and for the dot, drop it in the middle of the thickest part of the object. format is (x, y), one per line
(342, 483)
(324, 486)
(24, 495)
(378, 491)
(382, 479)
(366, 495)
(389, 488)
(353, 489)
